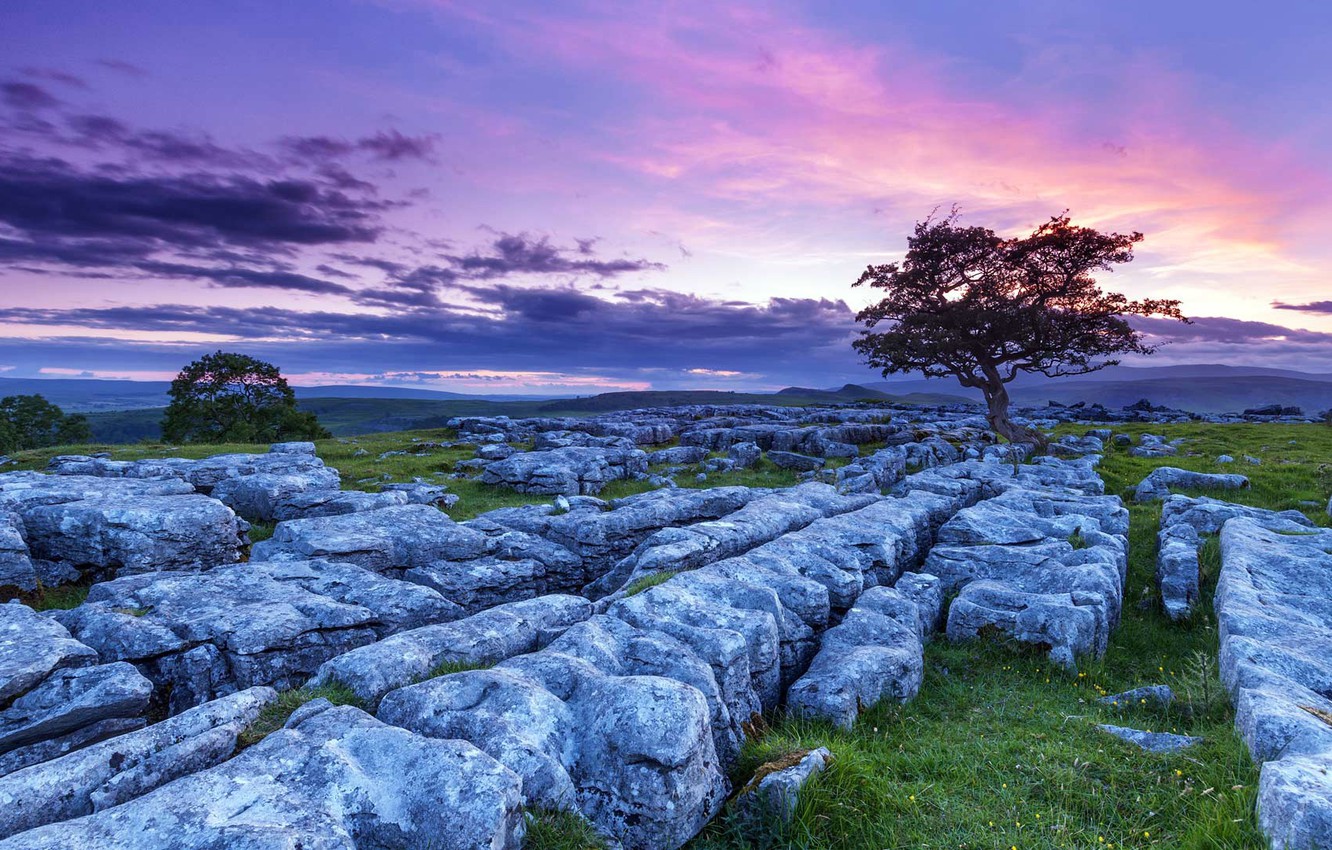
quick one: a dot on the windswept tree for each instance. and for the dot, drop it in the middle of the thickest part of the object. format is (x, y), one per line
(972, 305)
(32, 422)
(224, 397)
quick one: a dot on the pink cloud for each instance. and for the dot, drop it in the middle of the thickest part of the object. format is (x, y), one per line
(754, 107)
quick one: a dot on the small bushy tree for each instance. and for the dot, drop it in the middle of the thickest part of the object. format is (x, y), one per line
(226, 397)
(32, 422)
(981, 308)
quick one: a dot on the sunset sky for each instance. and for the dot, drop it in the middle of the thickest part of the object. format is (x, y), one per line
(552, 197)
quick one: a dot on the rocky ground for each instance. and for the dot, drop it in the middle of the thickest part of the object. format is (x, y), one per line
(731, 626)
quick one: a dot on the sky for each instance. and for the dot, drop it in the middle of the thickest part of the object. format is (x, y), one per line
(574, 197)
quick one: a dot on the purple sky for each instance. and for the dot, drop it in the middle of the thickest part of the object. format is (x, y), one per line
(568, 197)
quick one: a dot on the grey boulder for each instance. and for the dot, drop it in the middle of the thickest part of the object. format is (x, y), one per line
(114, 771)
(1152, 742)
(1159, 483)
(340, 779)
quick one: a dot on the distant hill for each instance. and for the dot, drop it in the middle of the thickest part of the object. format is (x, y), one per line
(1214, 373)
(361, 391)
(84, 395)
(88, 395)
(1202, 389)
(1199, 394)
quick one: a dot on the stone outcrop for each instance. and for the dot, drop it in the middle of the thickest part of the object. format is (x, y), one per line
(118, 770)
(126, 536)
(1183, 521)
(515, 661)
(873, 654)
(1275, 623)
(199, 636)
(77, 525)
(1158, 484)
(568, 471)
(56, 697)
(16, 569)
(482, 639)
(759, 521)
(777, 792)
(339, 778)
(632, 716)
(1043, 564)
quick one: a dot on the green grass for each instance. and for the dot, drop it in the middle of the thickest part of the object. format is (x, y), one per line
(650, 580)
(444, 668)
(548, 830)
(61, 598)
(275, 714)
(1000, 750)
(261, 531)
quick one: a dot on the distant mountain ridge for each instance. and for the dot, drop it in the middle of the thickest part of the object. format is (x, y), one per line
(85, 395)
(1202, 388)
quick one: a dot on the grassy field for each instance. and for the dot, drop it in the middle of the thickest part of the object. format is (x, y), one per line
(999, 750)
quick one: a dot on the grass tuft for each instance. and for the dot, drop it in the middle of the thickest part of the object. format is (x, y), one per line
(276, 713)
(565, 830)
(62, 598)
(444, 668)
(650, 580)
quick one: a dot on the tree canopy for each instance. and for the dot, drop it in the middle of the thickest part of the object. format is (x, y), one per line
(981, 308)
(32, 422)
(226, 397)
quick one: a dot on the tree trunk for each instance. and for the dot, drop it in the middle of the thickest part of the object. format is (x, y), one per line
(996, 398)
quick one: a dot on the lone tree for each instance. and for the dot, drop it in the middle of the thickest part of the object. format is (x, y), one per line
(982, 308)
(32, 422)
(226, 397)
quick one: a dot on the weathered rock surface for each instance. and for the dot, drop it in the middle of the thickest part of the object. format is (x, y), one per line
(258, 497)
(1043, 562)
(759, 521)
(112, 772)
(602, 533)
(791, 460)
(777, 793)
(1177, 577)
(32, 647)
(1152, 742)
(1155, 696)
(126, 536)
(16, 569)
(55, 696)
(568, 471)
(1274, 612)
(632, 753)
(1183, 519)
(388, 540)
(481, 639)
(1160, 481)
(77, 524)
(199, 636)
(339, 779)
(873, 654)
(67, 702)
(683, 455)
(320, 503)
